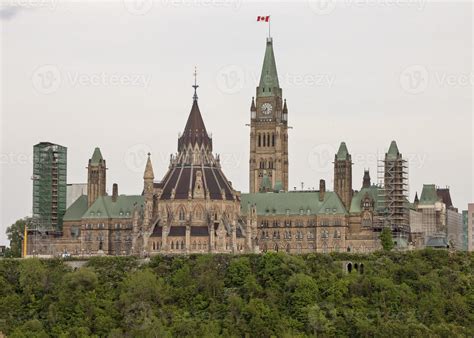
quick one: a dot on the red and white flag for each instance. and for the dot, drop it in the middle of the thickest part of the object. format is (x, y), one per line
(263, 18)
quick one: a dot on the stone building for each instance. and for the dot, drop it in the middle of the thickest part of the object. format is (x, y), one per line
(194, 208)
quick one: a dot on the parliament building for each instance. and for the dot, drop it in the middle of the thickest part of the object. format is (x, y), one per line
(194, 208)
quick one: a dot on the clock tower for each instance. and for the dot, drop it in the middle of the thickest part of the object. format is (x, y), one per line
(268, 130)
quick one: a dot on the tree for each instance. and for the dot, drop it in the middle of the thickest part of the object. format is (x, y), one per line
(15, 236)
(386, 239)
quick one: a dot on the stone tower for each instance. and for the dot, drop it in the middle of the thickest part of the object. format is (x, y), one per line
(343, 175)
(268, 129)
(95, 177)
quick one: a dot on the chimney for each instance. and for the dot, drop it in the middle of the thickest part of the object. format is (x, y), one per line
(114, 192)
(322, 189)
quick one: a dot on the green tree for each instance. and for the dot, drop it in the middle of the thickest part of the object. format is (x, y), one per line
(386, 239)
(15, 236)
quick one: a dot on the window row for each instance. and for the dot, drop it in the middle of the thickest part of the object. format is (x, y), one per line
(266, 139)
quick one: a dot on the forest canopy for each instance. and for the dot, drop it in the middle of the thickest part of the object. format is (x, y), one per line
(420, 293)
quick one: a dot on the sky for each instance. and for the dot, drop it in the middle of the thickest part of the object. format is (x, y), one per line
(118, 75)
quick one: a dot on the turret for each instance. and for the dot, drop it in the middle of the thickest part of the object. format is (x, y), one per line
(343, 175)
(96, 177)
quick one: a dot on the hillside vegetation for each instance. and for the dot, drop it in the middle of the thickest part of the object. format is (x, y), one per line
(424, 293)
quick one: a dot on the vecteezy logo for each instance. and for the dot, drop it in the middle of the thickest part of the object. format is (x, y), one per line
(322, 7)
(320, 158)
(136, 156)
(46, 79)
(230, 79)
(414, 79)
(138, 7)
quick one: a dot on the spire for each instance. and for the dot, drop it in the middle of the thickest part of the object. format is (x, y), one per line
(195, 86)
(393, 151)
(269, 85)
(417, 200)
(96, 156)
(285, 108)
(342, 153)
(253, 107)
(195, 130)
(366, 180)
(148, 170)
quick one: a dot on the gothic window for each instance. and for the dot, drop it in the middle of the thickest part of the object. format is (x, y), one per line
(268, 140)
(172, 245)
(154, 248)
(275, 247)
(259, 140)
(264, 140)
(273, 140)
(325, 234)
(181, 214)
(337, 234)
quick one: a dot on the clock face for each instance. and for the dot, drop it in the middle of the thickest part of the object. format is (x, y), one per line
(266, 108)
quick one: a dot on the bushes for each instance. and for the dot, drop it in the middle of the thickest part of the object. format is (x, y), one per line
(423, 293)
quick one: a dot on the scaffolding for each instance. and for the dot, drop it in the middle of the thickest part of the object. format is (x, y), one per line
(392, 174)
(49, 185)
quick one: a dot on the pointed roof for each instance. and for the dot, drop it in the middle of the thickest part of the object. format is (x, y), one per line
(269, 75)
(416, 198)
(195, 130)
(96, 156)
(366, 179)
(429, 195)
(342, 153)
(393, 151)
(148, 169)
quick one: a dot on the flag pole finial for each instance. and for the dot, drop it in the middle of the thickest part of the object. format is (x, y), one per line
(195, 86)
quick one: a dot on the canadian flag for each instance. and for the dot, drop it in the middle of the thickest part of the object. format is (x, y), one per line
(263, 18)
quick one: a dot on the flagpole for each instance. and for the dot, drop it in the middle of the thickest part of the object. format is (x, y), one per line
(269, 35)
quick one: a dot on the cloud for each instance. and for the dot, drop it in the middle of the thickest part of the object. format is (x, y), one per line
(9, 12)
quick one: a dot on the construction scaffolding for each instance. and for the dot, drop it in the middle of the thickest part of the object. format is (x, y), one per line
(393, 193)
(49, 185)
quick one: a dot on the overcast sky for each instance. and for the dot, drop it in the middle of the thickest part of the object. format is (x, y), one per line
(118, 75)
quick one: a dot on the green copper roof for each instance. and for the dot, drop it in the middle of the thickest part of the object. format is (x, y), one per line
(76, 209)
(104, 207)
(97, 156)
(269, 78)
(293, 203)
(393, 151)
(428, 195)
(342, 153)
(372, 192)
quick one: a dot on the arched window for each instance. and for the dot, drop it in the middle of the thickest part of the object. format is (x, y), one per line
(182, 214)
(268, 140)
(172, 245)
(259, 140)
(154, 248)
(264, 140)
(273, 140)
(182, 245)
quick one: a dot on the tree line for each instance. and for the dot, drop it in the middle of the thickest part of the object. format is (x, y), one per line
(421, 293)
